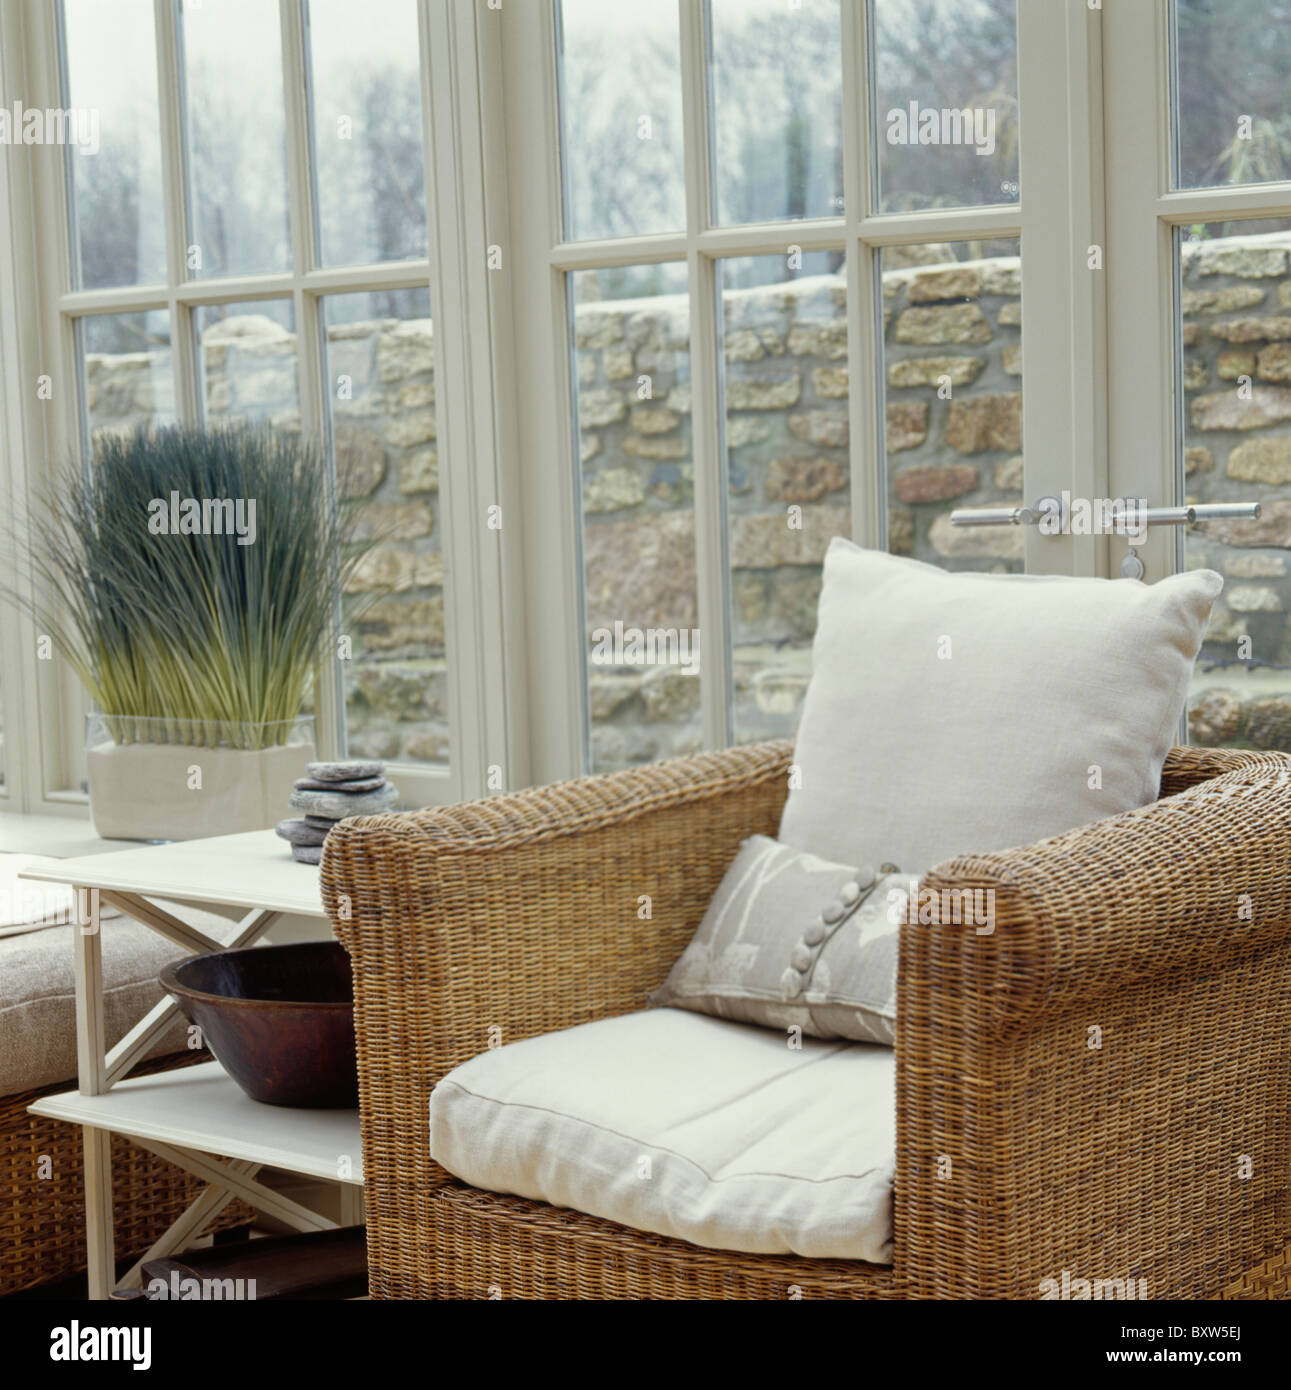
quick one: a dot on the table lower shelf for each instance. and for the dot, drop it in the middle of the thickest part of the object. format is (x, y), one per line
(202, 1108)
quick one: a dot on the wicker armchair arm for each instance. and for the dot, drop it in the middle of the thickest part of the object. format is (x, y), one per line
(1099, 1086)
(1177, 888)
(494, 920)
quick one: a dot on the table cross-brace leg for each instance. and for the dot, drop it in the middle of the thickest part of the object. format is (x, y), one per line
(202, 1210)
(174, 929)
(138, 1041)
(263, 1198)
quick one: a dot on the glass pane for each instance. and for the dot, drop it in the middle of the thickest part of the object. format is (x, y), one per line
(110, 78)
(246, 357)
(1235, 364)
(946, 103)
(237, 146)
(786, 430)
(126, 373)
(952, 379)
(1232, 91)
(777, 85)
(381, 383)
(631, 334)
(620, 100)
(367, 130)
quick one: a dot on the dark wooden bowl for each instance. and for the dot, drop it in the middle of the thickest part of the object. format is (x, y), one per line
(280, 1019)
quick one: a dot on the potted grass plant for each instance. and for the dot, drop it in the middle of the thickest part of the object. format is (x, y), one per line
(193, 579)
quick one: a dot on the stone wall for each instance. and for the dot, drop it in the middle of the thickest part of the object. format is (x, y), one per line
(952, 377)
(953, 425)
(1236, 308)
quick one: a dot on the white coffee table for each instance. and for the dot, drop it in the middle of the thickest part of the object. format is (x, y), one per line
(196, 1117)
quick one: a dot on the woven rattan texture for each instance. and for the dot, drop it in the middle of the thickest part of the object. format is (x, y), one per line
(42, 1220)
(1099, 1085)
(1272, 1279)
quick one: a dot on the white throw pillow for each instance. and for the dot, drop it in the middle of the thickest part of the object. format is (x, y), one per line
(954, 713)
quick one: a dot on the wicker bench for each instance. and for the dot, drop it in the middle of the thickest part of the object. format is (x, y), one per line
(42, 1202)
(42, 1191)
(1100, 1087)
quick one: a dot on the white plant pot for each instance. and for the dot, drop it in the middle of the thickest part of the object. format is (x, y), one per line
(154, 790)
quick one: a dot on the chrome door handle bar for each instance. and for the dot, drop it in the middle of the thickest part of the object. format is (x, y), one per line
(1153, 516)
(1225, 511)
(993, 516)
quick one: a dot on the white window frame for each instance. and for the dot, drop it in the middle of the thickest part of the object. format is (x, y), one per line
(1063, 345)
(466, 199)
(23, 434)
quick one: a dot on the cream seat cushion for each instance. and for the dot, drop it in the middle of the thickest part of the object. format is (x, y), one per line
(716, 1132)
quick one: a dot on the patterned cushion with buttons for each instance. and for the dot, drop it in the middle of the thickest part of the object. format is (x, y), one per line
(791, 940)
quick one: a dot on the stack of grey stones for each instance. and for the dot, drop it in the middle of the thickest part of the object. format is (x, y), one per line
(331, 792)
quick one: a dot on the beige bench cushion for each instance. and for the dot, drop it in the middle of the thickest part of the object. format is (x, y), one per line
(38, 995)
(715, 1132)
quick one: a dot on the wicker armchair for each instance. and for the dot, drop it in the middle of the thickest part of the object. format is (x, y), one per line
(1102, 1086)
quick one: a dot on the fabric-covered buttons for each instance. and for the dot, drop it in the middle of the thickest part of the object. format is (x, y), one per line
(814, 934)
(802, 957)
(833, 911)
(791, 982)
